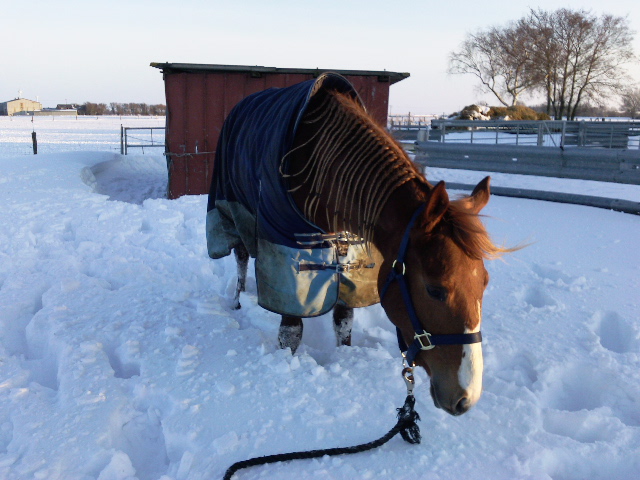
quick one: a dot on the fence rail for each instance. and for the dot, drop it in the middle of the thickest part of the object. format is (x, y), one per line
(556, 133)
(553, 133)
(604, 165)
(144, 138)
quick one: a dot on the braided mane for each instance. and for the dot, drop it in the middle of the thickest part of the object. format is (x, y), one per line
(376, 165)
(360, 163)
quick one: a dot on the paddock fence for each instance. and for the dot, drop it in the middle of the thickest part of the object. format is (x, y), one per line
(552, 133)
(603, 165)
(598, 151)
(141, 137)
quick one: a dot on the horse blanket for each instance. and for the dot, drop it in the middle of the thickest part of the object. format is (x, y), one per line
(298, 272)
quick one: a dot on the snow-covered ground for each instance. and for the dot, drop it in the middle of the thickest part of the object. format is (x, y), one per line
(546, 184)
(120, 357)
(71, 133)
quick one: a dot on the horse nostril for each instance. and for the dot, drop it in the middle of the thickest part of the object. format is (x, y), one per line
(462, 406)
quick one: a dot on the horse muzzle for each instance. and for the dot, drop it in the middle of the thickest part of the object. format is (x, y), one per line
(455, 405)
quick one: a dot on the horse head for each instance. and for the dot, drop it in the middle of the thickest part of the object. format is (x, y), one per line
(445, 276)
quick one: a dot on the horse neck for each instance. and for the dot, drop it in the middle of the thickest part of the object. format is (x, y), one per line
(395, 217)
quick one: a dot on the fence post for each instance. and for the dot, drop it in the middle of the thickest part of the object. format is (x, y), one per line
(581, 134)
(611, 136)
(121, 140)
(35, 142)
(541, 133)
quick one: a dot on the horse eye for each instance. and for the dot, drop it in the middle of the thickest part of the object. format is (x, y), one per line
(437, 293)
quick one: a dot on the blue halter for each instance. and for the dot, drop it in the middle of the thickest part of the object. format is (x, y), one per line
(422, 340)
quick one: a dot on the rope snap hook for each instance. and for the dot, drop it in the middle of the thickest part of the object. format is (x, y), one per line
(409, 380)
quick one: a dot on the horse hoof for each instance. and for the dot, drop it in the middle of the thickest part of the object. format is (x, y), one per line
(290, 336)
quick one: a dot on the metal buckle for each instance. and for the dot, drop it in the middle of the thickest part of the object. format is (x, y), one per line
(346, 267)
(426, 335)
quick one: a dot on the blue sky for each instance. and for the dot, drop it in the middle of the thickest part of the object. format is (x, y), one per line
(99, 51)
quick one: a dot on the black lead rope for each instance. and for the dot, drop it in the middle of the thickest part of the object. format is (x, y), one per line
(406, 426)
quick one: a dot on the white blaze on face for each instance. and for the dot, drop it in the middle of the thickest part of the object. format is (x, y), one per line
(470, 373)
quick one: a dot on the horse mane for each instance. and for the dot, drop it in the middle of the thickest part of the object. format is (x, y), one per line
(470, 234)
(377, 165)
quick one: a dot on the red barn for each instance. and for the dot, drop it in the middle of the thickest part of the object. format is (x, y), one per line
(199, 98)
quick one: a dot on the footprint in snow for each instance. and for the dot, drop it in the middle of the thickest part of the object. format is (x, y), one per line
(615, 333)
(518, 369)
(123, 359)
(536, 297)
(583, 387)
(141, 438)
(555, 277)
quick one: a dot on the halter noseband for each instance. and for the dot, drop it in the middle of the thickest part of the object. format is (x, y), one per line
(422, 340)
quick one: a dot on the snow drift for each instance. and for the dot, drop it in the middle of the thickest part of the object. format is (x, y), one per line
(120, 357)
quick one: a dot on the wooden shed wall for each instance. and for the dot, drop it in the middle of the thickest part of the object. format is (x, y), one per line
(198, 103)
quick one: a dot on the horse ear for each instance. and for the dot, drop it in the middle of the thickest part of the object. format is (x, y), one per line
(480, 196)
(437, 204)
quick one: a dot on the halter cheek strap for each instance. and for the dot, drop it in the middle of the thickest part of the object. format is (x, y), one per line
(421, 340)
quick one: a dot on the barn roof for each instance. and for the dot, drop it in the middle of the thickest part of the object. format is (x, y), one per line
(383, 76)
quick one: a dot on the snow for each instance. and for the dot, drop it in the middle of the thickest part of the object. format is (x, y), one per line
(71, 133)
(120, 357)
(546, 184)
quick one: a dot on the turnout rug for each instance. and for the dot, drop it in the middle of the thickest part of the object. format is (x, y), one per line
(298, 272)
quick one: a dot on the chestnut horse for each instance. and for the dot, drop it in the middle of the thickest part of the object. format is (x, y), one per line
(347, 174)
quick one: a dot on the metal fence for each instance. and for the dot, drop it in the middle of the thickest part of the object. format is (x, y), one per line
(409, 120)
(553, 133)
(604, 164)
(141, 137)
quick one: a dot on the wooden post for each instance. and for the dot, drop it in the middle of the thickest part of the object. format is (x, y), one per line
(35, 142)
(121, 140)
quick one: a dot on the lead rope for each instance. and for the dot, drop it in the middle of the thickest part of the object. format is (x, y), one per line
(406, 426)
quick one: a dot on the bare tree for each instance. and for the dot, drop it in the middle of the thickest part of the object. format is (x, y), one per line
(501, 60)
(631, 102)
(580, 56)
(570, 56)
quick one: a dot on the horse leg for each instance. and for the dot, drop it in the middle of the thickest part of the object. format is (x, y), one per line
(242, 260)
(342, 324)
(290, 333)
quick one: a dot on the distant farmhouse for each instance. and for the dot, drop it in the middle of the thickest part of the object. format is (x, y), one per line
(23, 106)
(19, 105)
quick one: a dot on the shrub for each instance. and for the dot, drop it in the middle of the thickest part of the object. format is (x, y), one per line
(517, 112)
